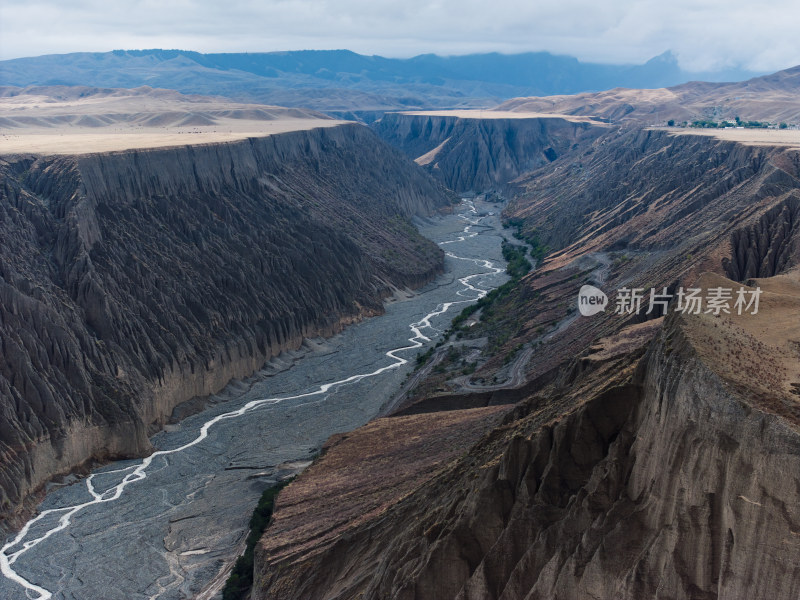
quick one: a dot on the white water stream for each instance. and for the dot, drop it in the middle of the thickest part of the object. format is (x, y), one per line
(26, 539)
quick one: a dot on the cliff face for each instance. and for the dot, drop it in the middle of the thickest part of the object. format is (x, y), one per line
(642, 209)
(478, 155)
(649, 190)
(659, 463)
(133, 281)
(646, 470)
(769, 246)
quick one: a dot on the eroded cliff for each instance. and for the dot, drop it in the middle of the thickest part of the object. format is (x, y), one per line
(474, 154)
(133, 281)
(646, 457)
(646, 470)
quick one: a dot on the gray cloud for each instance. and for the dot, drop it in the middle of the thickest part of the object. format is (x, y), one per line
(705, 35)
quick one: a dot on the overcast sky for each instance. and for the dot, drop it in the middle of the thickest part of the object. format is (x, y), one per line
(704, 34)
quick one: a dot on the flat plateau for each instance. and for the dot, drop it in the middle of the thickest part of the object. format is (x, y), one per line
(67, 120)
(751, 137)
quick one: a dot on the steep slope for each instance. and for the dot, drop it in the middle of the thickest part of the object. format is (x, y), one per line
(651, 477)
(470, 152)
(133, 281)
(646, 457)
(650, 190)
(639, 209)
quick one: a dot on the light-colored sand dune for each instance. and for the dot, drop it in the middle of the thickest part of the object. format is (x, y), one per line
(77, 120)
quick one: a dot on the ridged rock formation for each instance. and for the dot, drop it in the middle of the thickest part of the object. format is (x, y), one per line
(478, 155)
(643, 209)
(648, 469)
(651, 190)
(648, 457)
(133, 281)
(769, 246)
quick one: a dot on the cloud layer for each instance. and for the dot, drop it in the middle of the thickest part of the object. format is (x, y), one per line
(705, 35)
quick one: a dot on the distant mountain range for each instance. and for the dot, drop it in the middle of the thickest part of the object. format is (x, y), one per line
(772, 98)
(339, 81)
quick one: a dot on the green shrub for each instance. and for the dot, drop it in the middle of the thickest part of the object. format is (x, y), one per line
(518, 265)
(238, 585)
(423, 357)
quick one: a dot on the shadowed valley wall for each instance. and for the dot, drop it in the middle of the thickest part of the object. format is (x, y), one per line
(473, 154)
(133, 281)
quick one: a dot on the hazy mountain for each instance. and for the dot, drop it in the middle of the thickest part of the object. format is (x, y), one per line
(770, 97)
(340, 80)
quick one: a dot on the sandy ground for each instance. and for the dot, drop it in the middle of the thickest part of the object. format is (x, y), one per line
(80, 120)
(753, 137)
(497, 114)
(84, 141)
(756, 352)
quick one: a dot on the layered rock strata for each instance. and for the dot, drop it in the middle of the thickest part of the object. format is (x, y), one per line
(659, 463)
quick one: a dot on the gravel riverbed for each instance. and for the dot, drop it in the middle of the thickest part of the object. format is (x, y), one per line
(173, 530)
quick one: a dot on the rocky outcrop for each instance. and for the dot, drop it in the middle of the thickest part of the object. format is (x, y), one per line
(650, 470)
(473, 154)
(768, 247)
(133, 281)
(640, 209)
(363, 474)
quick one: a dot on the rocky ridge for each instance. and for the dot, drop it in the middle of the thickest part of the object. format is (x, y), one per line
(650, 477)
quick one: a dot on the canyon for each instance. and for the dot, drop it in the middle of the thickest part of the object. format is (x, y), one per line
(180, 515)
(639, 472)
(479, 151)
(532, 453)
(643, 455)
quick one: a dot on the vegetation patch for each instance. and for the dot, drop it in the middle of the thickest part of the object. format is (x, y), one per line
(499, 318)
(709, 124)
(241, 578)
(499, 309)
(518, 266)
(538, 250)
